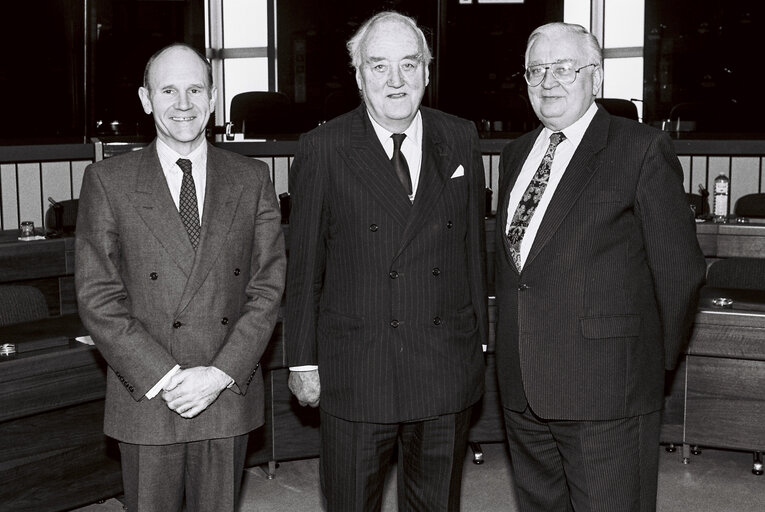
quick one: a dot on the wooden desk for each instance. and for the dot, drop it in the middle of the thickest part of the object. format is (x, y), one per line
(715, 397)
(53, 453)
(731, 240)
(46, 264)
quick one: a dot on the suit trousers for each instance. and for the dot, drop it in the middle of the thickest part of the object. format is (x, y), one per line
(584, 466)
(355, 457)
(205, 475)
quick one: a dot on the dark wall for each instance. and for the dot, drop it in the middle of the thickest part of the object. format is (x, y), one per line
(42, 74)
(701, 63)
(478, 54)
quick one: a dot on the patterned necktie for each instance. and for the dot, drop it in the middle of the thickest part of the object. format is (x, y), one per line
(399, 163)
(187, 205)
(530, 200)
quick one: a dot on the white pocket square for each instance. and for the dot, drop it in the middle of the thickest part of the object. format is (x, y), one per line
(460, 171)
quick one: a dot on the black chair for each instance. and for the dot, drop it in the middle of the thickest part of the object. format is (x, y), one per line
(737, 273)
(750, 205)
(21, 303)
(619, 107)
(259, 114)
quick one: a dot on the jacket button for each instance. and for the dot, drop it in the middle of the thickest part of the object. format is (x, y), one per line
(153, 276)
(437, 321)
(393, 274)
(449, 225)
(394, 323)
(177, 324)
(237, 271)
(436, 271)
(224, 320)
(373, 227)
(523, 287)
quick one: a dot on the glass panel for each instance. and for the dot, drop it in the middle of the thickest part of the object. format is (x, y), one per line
(245, 23)
(242, 75)
(623, 23)
(623, 78)
(577, 11)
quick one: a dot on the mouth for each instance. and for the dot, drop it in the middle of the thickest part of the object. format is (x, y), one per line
(182, 119)
(397, 95)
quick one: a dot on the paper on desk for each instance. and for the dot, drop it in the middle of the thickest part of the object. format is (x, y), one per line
(85, 339)
(30, 238)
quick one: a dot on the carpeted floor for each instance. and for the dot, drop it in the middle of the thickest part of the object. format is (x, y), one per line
(714, 481)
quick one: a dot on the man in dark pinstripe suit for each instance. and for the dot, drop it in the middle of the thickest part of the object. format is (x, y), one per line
(598, 269)
(386, 298)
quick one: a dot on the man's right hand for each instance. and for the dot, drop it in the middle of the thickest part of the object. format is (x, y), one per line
(305, 386)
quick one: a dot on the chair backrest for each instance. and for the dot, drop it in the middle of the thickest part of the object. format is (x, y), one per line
(619, 107)
(750, 205)
(741, 273)
(259, 113)
(21, 303)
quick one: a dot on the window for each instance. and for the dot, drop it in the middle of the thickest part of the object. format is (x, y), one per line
(619, 26)
(241, 37)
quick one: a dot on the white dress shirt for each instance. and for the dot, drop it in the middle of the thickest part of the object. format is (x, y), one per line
(563, 154)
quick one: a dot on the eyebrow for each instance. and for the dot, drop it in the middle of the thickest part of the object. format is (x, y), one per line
(559, 61)
(415, 56)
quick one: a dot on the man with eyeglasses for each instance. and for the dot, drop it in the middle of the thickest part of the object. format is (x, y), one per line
(597, 274)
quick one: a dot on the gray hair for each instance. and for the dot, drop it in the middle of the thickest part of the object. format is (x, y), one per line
(208, 66)
(355, 44)
(590, 45)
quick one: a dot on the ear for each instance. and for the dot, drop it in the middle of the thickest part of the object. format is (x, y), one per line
(143, 94)
(597, 80)
(427, 75)
(359, 80)
(213, 97)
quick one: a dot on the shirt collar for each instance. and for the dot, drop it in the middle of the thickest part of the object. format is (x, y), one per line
(575, 132)
(413, 132)
(168, 157)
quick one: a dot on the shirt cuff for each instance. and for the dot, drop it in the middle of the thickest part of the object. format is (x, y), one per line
(161, 384)
(304, 368)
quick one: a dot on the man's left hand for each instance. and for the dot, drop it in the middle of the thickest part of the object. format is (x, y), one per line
(191, 391)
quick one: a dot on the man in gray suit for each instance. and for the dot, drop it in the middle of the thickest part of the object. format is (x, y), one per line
(387, 294)
(597, 273)
(180, 270)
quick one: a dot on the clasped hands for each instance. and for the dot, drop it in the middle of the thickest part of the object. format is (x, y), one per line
(190, 391)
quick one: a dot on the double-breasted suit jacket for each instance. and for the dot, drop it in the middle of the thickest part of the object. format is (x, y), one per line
(386, 296)
(605, 299)
(150, 301)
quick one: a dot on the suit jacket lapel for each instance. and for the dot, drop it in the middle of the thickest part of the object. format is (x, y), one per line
(516, 157)
(221, 200)
(154, 204)
(580, 170)
(438, 162)
(368, 160)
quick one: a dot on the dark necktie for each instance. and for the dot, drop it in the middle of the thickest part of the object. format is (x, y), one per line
(530, 200)
(399, 163)
(187, 205)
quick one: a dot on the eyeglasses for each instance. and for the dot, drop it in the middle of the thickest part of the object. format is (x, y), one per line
(563, 72)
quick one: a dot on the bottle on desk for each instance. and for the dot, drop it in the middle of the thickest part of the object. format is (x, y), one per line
(720, 204)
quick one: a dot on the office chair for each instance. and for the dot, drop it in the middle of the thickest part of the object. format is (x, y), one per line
(751, 205)
(21, 303)
(738, 273)
(619, 107)
(257, 114)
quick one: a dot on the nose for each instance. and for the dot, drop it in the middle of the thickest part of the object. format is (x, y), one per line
(394, 78)
(549, 81)
(183, 100)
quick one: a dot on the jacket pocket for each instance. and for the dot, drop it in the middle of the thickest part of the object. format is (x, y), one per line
(615, 326)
